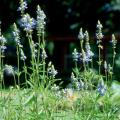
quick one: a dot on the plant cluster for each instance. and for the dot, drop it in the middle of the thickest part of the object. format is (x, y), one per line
(90, 95)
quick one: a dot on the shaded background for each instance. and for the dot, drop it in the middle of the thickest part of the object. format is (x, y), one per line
(64, 18)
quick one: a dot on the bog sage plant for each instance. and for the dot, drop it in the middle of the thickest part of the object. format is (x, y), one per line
(89, 94)
(2, 50)
(99, 37)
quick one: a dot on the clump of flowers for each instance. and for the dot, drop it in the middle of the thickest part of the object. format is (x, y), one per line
(22, 55)
(89, 53)
(9, 70)
(101, 88)
(51, 70)
(76, 84)
(40, 22)
(44, 55)
(3, 41)
(27, 23)
(16, 35)
(75, 55)
(99, 37)
(22, 7)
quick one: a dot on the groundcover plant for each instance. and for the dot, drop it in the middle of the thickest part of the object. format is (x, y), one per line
(90, 95)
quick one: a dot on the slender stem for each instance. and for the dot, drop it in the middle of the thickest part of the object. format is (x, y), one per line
(43, 46)
(39, 50)
(76, 64)
(25, 70)
(2, 70)
(31, 47)
(81, 44)
(43, 39)
(38, 60)
(106, 76)
(44, 69)
(113, 62)
(18, 64)
(0, 73)
(36, 104)
(32, 56)
(84, 65)
(99, 59)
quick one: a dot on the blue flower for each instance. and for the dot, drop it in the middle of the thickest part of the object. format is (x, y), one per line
(86, 56)
(101, 88)
(23, 6)
(16, 34)
(27, 23)
(89, 53)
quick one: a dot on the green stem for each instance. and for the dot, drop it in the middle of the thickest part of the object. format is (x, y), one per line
(43, 39)
(84, 65)
(36, 104)
(33, 61)
(81, 44)
(106, 77)
(25, 70)
(99, 59)
(44, 69)
(18, 64)
(38, 60)
(113, 62)
(39, 50)
(0, 73)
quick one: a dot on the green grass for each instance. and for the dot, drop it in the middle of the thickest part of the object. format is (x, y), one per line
(83, 105)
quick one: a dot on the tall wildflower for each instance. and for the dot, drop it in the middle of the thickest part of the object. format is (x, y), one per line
(99, 37)
(105, 66)
(89, 53)
(81, 38)
(106, 70)
(22, 55)
(114, 42)
(101, 88)
(40, 23)
(44, 55)
(76, 84)
(22, 7)
(51, 70)
(27, 23)
(3, 41)
(16, 35)
(75, 55)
